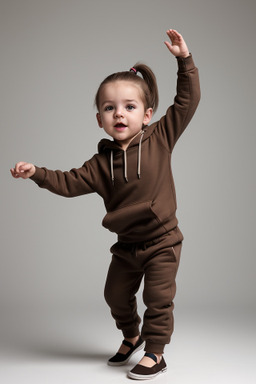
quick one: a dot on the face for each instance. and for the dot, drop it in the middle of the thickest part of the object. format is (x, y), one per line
(122, 112)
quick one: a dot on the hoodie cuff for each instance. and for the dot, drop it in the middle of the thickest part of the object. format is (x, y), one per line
(185, 64)
(38, 176)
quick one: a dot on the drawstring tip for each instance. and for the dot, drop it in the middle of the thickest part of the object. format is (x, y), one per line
(126, 179)
(138, 175)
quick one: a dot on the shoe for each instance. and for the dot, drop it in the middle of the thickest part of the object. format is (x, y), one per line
(139, 372)
(121, 358)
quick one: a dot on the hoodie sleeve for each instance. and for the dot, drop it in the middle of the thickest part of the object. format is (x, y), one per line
(178, 115)
(76, 182)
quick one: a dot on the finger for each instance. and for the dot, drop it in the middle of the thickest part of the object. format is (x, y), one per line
(175, 33)
(14, 174)
(170, 33)
(174, 36)
(168, 45)
(22, 166)
(19, 164)
(25, 167)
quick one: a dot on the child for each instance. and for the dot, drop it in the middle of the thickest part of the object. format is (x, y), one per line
(133, 175)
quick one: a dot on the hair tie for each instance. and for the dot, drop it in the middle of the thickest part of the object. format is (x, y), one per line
(133, 70)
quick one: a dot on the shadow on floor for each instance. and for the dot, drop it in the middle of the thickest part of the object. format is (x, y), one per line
(56, 350)
(57, 353)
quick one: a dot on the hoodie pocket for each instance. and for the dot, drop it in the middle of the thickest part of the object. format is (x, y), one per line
(132, 220)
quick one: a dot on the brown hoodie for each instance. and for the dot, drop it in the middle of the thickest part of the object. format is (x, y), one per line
(137, 184)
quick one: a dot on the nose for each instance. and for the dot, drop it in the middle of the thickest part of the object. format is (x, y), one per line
(119, 112)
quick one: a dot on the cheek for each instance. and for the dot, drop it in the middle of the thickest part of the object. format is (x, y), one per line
(106, 120)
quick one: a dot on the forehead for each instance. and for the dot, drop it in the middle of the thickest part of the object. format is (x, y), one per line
(120, 90)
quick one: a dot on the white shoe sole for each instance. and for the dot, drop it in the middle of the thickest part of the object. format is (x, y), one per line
(145, 377)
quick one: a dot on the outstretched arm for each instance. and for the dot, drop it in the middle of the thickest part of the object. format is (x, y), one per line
(76, 182)
(177, 46)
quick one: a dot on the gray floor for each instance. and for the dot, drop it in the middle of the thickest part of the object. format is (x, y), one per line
(71, 347)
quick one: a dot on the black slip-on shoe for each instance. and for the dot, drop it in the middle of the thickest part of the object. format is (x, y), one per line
(139, 372)
(121, 358)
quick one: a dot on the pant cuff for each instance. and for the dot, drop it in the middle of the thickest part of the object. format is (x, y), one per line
(151, 347)
(131, 332)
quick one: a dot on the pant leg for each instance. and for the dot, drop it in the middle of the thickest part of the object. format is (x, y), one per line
(122, 283)
(159, 291)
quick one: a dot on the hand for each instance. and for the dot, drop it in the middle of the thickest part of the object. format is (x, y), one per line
(177, 47)
(23, 170)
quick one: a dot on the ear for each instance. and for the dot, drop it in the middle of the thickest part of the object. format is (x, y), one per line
(99, 120)
(148, 116)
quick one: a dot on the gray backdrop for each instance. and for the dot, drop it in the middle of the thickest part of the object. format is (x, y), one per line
(54, 54)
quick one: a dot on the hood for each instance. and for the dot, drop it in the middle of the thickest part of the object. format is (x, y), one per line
(106, 145)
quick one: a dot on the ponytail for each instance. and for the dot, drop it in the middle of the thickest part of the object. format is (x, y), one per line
(151, 95)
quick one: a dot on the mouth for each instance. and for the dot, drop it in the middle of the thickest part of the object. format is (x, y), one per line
(120, 126)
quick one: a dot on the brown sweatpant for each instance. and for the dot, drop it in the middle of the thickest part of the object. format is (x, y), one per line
(158, 262)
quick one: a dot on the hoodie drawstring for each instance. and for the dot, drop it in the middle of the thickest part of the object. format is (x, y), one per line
(125, 162)
(125, 167)
(112, 167)
(139, 154)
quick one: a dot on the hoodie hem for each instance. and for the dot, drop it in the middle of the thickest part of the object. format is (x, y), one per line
(174, 232)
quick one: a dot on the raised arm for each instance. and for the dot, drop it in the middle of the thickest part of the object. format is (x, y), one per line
(179, 114)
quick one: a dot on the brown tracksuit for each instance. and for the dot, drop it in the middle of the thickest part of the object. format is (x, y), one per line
(139, 195)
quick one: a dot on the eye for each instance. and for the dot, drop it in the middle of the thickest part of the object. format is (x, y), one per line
(108, 108)
(130, 107)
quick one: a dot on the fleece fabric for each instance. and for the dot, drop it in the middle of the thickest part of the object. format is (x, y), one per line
(136, 185)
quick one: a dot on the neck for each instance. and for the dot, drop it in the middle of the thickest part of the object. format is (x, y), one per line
(124, 146)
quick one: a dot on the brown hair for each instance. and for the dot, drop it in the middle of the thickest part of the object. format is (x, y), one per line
(147, 84)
